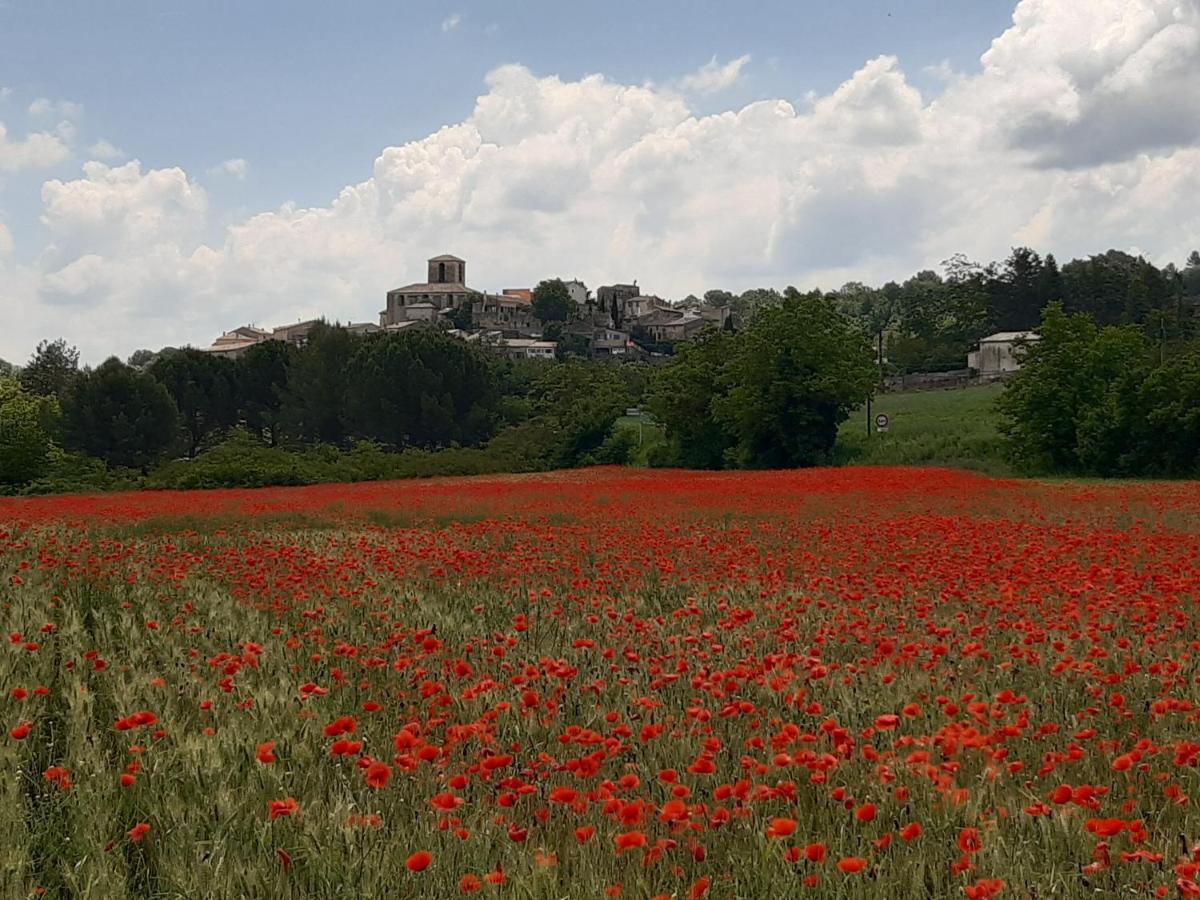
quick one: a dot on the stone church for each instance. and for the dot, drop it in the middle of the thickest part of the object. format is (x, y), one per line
(444, 291)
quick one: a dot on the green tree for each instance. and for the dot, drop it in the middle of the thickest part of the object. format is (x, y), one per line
(1017, 291)
(577, 404)
(795, 375)
(51, 369)
(7, 369)
(120, 415)
(746, 305)
(422, 388)
(1069, 408)
(139, 359)
(24, 440)
(1191, 274)
(681, 396)
(318, 386)
(552, 301)
(204, 388)
(1169, 399)
(262, 381)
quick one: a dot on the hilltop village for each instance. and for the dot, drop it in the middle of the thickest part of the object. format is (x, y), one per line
(618, 320)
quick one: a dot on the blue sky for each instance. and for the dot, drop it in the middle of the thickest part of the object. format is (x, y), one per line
(306, 92)
(858, 132)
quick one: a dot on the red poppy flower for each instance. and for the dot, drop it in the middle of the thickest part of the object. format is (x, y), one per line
(378, 775)
(419, 861)
(285, 807)
(780, 828)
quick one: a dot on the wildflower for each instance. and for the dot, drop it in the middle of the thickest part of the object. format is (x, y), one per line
(285, 807)
(378, 775)
(780, 828)
(419, 861)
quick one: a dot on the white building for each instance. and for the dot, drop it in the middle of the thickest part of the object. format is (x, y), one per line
(578, 291)
(1000, 352)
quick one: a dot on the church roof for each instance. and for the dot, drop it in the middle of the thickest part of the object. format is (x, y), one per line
(446, 257)
(435, 288)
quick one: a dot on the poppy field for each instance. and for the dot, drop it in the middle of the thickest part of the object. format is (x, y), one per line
(605, 683)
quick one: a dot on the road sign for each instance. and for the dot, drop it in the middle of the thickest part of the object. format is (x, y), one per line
(633, 412)
(881, 422)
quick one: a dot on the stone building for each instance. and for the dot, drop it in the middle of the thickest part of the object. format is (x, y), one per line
(1000, 353)
(445, 291)
(609, 294)
(579, 292)
(234, 344)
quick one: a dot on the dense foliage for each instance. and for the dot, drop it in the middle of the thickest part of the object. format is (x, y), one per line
(120, 415)
(552, 301)
(930, 321)
(770, 396)
(1104, 400)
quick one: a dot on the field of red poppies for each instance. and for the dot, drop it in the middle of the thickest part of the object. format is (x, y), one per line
(855, 682)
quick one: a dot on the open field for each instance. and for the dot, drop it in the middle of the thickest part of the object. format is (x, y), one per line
(955, 427)
(851, 682)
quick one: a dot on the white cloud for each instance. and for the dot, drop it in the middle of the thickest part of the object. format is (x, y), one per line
(37, 150)
(713, 77)
(235, 167)
(612, 181)
(451, 22)
(6, 241)
(44, 108)
(106, 151)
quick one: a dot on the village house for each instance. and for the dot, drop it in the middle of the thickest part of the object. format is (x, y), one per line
(525, 348)
(234, 344)
(578, 291)
(1000, 353)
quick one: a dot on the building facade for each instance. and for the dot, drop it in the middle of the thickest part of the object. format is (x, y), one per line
(1000, 353)
(446, 292)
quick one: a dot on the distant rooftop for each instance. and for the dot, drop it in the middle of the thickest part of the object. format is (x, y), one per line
(1003, 337)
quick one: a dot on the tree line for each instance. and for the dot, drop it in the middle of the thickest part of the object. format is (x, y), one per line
(931, 320)
(1103, 400)
(419, 391)
(775, 393)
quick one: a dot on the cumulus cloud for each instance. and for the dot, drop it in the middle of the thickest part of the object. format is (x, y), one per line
(37, 150)
(106, 151)
(1078, 85)
(612, 182)
(235, 167)
(451, 22)
(713, 77)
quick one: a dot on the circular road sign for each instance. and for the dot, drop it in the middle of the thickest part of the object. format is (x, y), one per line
(881, 421)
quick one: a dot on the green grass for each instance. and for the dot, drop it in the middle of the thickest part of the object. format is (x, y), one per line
(956, 427)
(650, 436)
